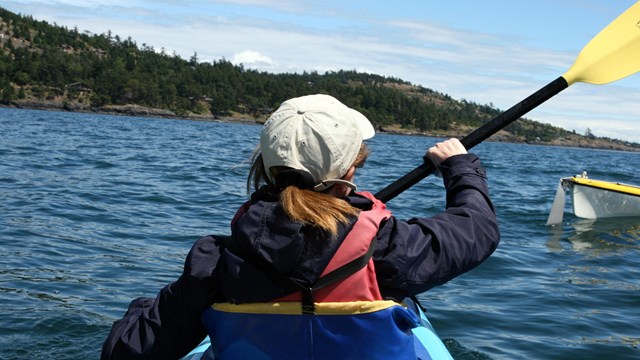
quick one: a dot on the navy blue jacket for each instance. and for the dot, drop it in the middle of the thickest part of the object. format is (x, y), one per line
(410, 257)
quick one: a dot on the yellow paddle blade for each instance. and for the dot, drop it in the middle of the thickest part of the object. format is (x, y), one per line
(613, 54)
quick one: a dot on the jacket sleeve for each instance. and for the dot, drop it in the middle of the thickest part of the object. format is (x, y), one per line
(169, 326)
(416, 255)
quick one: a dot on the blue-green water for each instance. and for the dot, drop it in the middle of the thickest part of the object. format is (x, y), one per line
(97, 210)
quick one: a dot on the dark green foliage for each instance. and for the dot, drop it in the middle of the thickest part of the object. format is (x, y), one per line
(44, 61)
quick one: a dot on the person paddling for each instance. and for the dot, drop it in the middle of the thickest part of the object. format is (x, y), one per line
(314, 268)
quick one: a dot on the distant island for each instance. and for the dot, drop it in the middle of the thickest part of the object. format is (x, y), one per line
(49, 67)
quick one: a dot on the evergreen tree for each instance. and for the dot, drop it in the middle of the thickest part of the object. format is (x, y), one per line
(119, 72)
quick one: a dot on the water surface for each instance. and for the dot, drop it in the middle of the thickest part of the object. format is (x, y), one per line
(96, 210)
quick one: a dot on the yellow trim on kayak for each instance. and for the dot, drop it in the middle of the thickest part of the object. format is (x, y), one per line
(606, 185)
(295, 308)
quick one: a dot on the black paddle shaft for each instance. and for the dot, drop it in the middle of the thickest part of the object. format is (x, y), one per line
(479, 135)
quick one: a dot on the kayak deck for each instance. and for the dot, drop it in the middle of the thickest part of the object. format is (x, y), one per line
(605, 185)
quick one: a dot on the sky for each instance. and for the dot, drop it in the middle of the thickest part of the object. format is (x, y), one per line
(494, 52)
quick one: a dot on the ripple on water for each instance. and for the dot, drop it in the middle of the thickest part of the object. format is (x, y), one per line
(97, 210)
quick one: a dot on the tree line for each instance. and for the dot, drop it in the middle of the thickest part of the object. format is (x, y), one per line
(39, 60)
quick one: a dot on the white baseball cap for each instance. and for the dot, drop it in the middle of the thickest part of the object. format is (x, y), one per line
(317, 134)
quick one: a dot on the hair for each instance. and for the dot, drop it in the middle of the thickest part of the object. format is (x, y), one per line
(318, 209)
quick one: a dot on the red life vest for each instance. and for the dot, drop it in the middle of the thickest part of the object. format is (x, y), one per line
(362, 285)
(350, 319)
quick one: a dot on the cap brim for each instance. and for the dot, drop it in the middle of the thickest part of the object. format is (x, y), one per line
(364, 125)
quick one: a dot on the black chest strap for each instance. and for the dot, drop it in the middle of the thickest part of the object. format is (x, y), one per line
(308, 301)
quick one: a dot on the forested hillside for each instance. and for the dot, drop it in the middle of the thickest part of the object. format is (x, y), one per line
(42, 63)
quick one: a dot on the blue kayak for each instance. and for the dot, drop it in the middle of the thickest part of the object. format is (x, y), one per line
(427, 343)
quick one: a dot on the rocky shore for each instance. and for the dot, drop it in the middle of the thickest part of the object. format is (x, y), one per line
(573, 140)
(124, 110)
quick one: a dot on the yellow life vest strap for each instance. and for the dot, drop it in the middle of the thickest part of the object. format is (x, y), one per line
(295, 308)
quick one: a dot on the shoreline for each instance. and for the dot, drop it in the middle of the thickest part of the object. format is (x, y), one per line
(141, 111)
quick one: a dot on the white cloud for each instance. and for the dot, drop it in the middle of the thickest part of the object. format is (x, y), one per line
(250, 58)
(292, 6)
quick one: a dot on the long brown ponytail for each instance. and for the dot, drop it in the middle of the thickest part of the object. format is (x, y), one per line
(307, 206)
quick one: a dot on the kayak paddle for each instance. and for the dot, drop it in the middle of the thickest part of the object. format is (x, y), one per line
(611, 55)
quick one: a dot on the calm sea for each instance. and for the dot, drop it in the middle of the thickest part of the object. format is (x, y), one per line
(96, 210)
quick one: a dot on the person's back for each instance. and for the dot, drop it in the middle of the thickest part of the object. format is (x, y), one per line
(312, 268)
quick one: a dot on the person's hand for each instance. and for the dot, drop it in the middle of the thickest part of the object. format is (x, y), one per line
(444, 150)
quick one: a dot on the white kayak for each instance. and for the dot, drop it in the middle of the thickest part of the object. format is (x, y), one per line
(594, 199)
